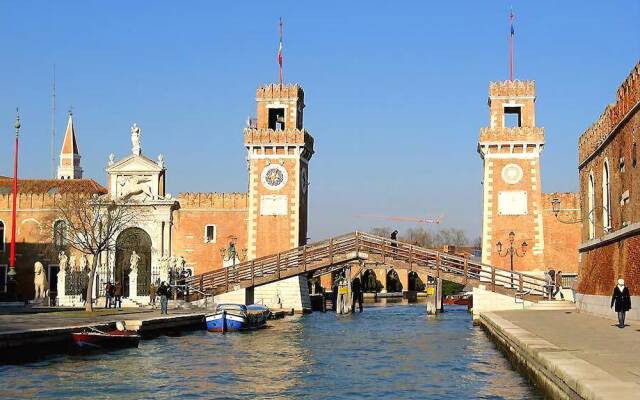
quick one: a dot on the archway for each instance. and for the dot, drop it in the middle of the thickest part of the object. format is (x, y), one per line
(129, 240)
(393, 282)
(370, 282)
(415, 283)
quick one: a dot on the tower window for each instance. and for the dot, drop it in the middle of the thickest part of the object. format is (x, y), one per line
(512, 117)
(276, 119)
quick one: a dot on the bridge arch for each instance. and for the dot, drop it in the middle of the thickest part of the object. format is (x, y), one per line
(394, 285)
(370, 282)
(415, 282)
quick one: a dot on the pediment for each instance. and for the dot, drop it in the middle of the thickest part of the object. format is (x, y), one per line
(134, 163)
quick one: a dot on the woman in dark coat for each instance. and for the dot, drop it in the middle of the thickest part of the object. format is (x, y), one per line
(622, 301)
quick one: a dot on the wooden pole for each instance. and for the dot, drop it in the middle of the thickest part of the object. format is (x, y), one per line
(466, 271)
(493, 279)
(253, 276)
(278, 266)
(304, 257)
(331, 251)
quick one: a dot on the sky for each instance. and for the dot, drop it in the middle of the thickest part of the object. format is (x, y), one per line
(395, 92)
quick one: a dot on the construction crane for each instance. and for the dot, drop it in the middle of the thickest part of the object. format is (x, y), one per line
(418, 220)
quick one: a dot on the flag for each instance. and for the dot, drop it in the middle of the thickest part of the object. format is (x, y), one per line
(511, 21)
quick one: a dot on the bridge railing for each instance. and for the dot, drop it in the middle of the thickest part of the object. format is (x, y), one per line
(327, 252)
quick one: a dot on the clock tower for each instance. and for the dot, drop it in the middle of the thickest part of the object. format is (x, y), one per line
(278, 154)
(510, 148)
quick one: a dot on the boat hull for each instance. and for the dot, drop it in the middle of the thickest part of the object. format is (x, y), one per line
(109, 340)
(237, 317)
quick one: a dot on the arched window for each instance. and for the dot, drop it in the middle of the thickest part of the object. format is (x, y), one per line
(1, 238)
(59, 233)
(606, 197)
(591, 204)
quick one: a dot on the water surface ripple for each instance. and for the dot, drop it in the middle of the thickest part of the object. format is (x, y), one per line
(388, 352)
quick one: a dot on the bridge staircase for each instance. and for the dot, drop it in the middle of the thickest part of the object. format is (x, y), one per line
(372, 252)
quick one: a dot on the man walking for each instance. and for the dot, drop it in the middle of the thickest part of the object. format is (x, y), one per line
(164, 292)
(107, 295)
(118, 295)
(394, 237)
(622, 301)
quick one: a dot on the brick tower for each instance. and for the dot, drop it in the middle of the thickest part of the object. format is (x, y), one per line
(510, 148)
(278, 153)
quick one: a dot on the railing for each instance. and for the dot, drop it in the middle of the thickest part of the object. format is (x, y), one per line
(353, 246)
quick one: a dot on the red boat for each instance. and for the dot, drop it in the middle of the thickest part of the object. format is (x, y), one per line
(92, 338)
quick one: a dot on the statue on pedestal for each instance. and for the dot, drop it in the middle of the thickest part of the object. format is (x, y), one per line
(164, 268)
(135, 258)
(135, 139)
(40, 282)
(180, 263)
(72, 263)
(62, 259)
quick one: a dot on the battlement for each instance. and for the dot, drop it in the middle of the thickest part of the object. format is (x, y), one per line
(512, 88)
(279, 91)
(516, 134)
(627, 97)
(230, 201)
(270, 137)
(43, 201)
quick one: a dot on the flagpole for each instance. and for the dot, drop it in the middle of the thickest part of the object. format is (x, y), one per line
(14, 206)
(511, 33)
(280, 54)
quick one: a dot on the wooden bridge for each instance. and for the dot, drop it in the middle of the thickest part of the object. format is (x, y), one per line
(374, 252)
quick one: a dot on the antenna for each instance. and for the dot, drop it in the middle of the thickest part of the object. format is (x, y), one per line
(53, 124)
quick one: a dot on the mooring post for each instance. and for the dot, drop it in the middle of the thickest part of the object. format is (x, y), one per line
(253, 276)
(432, 308)
(466, 271)
(278, 266)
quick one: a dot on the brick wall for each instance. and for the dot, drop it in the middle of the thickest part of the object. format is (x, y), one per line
(561, 234)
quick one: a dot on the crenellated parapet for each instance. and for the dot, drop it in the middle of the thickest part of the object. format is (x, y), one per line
(627, 99)
(270, 137)
(279, 91)
(531, 134)
(230, 201)
(37, 201)
(512, 88)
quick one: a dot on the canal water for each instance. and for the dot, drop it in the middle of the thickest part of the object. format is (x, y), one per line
(388, 352)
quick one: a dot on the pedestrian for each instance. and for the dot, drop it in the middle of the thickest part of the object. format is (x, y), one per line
(112, 295)
(558, 282)
(164, 291)
(622, 301)
(394, 243)
(356, 288)
(84, 293)
(107, 295)
(118, 295)
(574, 287)
(152, 294)
(548, 284)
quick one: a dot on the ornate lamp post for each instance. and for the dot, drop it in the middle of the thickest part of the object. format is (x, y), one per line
(512, 251)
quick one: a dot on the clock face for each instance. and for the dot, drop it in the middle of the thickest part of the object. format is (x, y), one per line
(274, 177)
(512, 173)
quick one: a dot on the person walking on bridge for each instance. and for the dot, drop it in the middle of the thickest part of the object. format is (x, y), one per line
(394, 244)
(622, 300)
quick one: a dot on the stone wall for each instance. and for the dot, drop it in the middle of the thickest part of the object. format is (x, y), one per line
(561, 234)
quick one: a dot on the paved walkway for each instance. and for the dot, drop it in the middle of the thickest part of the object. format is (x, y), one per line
(15, 320)
(595, 340)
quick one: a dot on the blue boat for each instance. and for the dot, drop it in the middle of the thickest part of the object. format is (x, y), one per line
(237, 317)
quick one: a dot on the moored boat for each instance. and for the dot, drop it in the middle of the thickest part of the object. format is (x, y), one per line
(92, 338)
(237, 317)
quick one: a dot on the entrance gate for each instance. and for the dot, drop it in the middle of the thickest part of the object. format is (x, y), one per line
(130, 240)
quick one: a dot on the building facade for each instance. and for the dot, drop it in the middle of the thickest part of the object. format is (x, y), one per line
(610, 200)
(515, 211)
(200, 231)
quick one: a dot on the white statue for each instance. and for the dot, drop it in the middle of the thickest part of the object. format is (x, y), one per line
(112, 158)
(161, 161)
(83, 262)
(72, 262)
(62, 259)
(40, 281)
(134, 262)
(135, 139)
(180, 263)
(172, 263)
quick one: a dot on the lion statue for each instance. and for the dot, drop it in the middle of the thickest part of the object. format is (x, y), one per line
(40, 282)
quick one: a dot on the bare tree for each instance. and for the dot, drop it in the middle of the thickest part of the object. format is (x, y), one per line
(378, 231)
(93, 223)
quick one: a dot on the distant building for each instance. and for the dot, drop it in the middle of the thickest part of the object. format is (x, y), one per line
(610, 201)
(510, 148)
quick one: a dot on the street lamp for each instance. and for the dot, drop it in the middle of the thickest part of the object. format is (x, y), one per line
(512, 251)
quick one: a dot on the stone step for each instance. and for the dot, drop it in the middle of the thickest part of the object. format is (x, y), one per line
(552, 305)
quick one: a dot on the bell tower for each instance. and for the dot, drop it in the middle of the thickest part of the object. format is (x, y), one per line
(510, 148)
(278, 154)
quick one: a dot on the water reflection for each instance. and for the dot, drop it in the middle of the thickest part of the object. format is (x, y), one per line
(391, 351)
